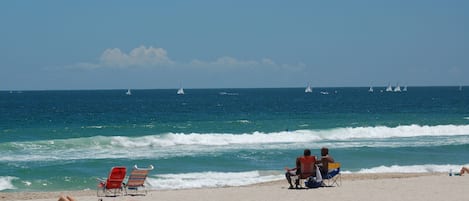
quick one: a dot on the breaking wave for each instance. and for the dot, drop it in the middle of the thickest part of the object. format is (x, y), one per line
(166, 145)
(6, 183)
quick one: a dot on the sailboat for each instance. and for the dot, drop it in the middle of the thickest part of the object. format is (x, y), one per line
(308, 89)
(128, 93)
(398, 88)
(371, 89)
(405, 88)
(389, 88)
(180, 91)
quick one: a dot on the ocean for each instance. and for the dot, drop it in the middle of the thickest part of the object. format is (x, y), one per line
(64, 140)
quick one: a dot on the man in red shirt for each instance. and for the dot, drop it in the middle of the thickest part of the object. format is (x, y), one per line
(304, 168)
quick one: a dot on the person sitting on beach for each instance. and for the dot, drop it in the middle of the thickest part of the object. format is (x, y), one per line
(463, 170)
(306, 158)
(323, 163)
(66, 198)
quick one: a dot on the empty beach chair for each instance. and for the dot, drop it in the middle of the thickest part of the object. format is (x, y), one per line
(112, 185)
(333, 176)
(136, 181)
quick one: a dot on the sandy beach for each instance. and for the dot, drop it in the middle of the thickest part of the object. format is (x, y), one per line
(412, 187)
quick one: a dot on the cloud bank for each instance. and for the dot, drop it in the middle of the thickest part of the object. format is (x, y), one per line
(137, 57)
(151, 57)
(140, 56)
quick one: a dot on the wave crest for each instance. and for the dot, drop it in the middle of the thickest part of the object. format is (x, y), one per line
(211, 179)
(429, 168)
(168, 145)
(223, 179)
(341, 134)
(6, 183)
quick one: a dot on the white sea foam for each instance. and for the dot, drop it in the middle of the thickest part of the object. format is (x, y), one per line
(6, 183)
(338, 134)
(222, 179)
(429, 168)
(243, 121)
(388, 132)
(211, 179)
(223, 93)
(95, 127)
(26, 183)
(167, 145)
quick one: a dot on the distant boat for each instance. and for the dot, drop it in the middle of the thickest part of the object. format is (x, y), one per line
(370, 90)
(128, 93)
(324, 92)
(180, 91)
(397, 89)
(405, 88)
(308, 89)
(223, 93)
(389, 88)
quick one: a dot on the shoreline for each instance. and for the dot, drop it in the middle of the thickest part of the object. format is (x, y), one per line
(351, 183)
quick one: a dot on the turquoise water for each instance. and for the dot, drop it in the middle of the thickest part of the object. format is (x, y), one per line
(64, 140)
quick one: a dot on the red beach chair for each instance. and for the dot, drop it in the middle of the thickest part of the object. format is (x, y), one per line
(112, 186)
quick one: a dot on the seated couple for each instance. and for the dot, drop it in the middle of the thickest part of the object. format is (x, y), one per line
(305, 166)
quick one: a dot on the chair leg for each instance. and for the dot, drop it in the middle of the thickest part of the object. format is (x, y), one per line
(336, 180)
(295, 179)
(100, 192)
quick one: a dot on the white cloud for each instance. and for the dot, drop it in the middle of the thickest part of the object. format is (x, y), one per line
(152, 57)
(267, 61)
(140, 56)
(137, 57)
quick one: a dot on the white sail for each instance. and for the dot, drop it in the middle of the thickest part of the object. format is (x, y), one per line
(180, 91)
(389, 88)
(308, 89)
(128, 93)
(370, 90)
(397, 89)
(405, 88)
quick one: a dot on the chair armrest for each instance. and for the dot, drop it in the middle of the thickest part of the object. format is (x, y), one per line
(150, 167)
(101, 180)
(292, 169)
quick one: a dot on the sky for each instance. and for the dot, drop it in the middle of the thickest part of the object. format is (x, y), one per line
(89, 44)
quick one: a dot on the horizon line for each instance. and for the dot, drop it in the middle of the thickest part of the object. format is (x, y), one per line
(201, 88)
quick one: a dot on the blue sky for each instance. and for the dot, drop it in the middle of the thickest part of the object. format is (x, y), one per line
(223, 44)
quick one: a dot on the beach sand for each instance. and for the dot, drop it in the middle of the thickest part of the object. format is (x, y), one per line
(355, 187)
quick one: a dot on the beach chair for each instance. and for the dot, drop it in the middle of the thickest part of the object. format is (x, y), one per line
(307, 169)
(136, 181)
(112, 185)
(333, 176)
